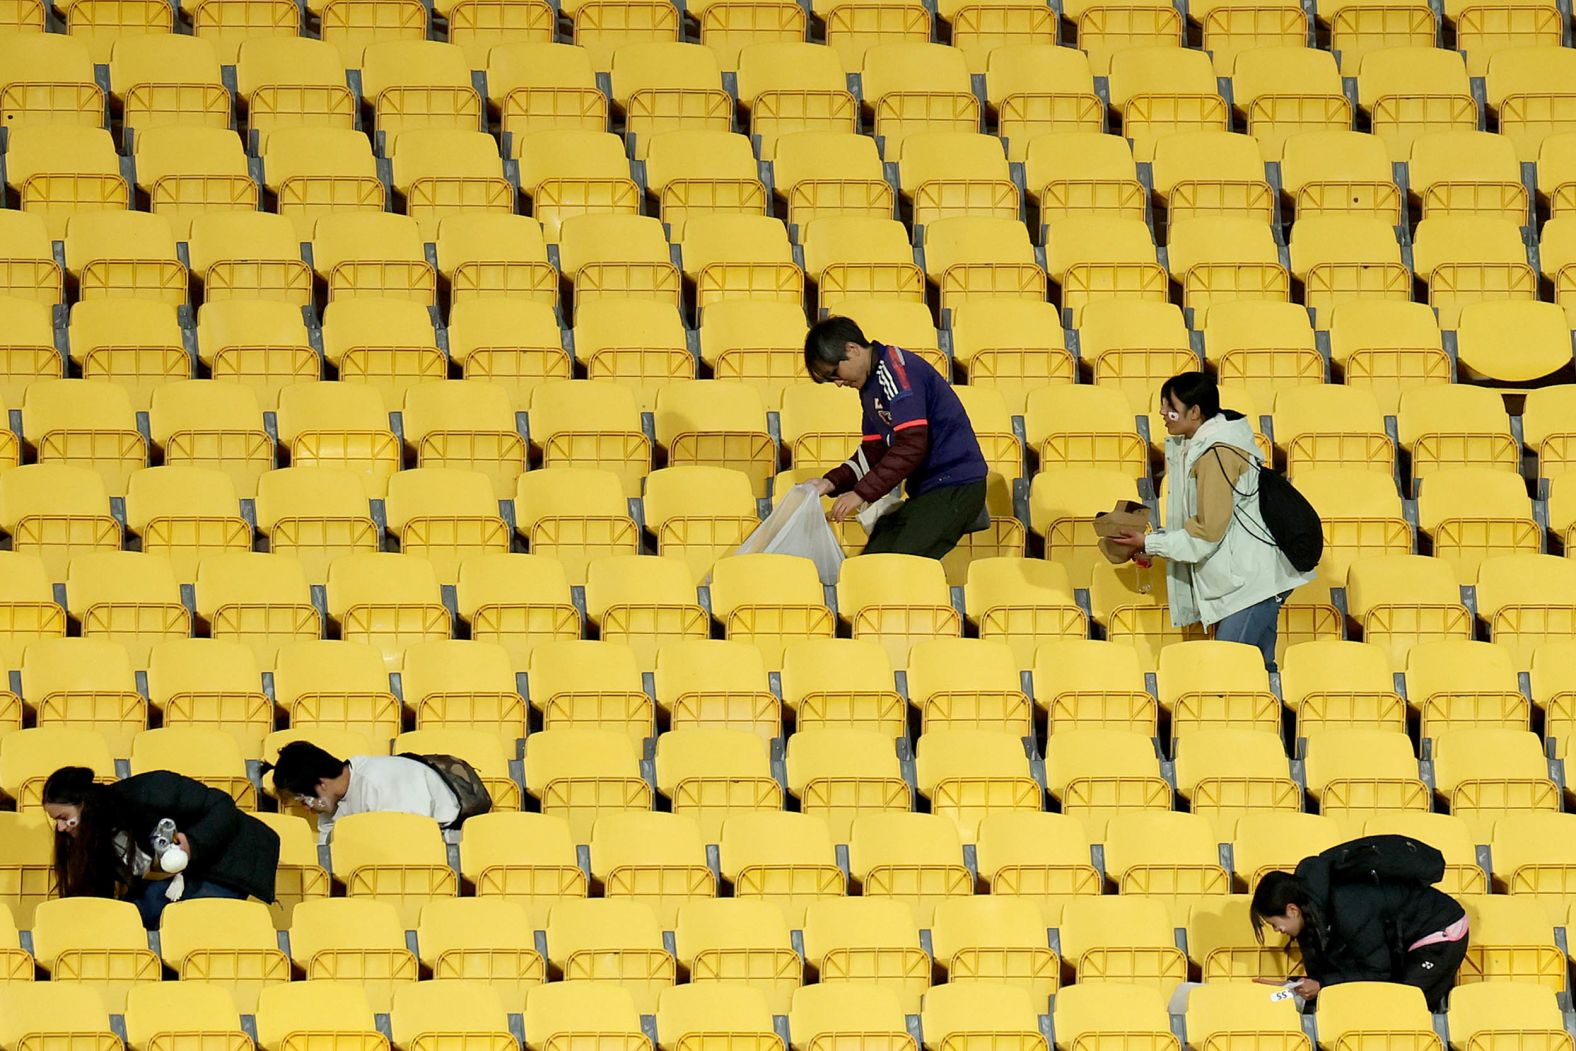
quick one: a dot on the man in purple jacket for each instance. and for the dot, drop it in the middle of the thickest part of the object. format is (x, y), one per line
(915, 432)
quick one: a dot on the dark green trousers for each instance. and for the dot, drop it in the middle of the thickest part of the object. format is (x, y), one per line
(929, 525)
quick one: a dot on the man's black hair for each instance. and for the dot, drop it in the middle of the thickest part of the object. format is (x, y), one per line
(300, 766)
(1193, 390)
(826, 346)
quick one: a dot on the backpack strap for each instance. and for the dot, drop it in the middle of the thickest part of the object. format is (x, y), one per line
(1236, 514)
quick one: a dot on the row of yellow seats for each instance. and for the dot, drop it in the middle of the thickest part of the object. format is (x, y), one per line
(472, 426)
(1051, 884)
(964, 771)
(426, 1013)
(1061, 502)
(355, 931)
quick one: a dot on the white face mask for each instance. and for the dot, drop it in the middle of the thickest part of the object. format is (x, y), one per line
(313, 804)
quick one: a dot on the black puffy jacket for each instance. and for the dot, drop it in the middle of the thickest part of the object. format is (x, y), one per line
(229, 846)
(1363, 927)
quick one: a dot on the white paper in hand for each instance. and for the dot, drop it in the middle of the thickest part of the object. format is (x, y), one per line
(1285, 992)
(798, 526)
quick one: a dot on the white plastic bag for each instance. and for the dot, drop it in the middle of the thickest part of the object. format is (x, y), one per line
(873, 513)
(797, 526)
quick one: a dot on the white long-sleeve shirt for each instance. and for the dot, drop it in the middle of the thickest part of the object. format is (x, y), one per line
(392, 784)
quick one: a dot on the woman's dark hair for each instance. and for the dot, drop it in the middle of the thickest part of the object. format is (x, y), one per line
(300, 766)
(826, 346)
(87, 863)
(1194, 390)
(1275, 891)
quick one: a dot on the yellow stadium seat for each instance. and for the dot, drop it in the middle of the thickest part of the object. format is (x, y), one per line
(62, 169)
(56, 512)
(637, 342)
(62, 62)
(395, 858)
(1388, 347)
(564, 1010)
(1459, 683)
(1494, 522)
(839, 773)
(1102, 933)
(716, 422)
(1511, 341)
(449, 1006)
(657, 859)
(199, 752)
(714, 772)
(1006, 1012)
(897, 600)
(130, 597)
(315, 514)
(1236, 335)
(1513, 942)
(339, 1006)
(212, 423)
(87, 424)
(483, 942)
(526, 860)
(1403, 600)
(100, 943)
(824, 1011)
(1268, 840)
(1484, 1010)
(339, 426)
(643, 603)
(578, 772)
(1392, 87)
(1487, 772)
(155, 1013)
(620, 939)
(226, 945)
(338, 685)
(1096, 772)
(445, 515)
(386, 600)
(1062, 504)
(214, 684)
(133, 343)
(839, 935)
(35, 1010)
(464, 685)
(786, 859)
(1518, 596)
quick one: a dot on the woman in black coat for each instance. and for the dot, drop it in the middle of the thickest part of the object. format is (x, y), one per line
(1366, 911)
(103, 837)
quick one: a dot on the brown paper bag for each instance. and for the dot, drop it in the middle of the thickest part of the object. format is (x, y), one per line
(1129, 516)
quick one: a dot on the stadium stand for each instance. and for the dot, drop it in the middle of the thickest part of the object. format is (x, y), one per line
(403, 376)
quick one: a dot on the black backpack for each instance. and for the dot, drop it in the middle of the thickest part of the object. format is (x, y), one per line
(1293, 524)
(1386, 859)
(463, 780)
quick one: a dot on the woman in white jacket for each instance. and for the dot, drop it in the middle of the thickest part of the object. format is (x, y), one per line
(1222, 566)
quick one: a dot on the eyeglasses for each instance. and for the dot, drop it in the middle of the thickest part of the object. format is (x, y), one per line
(1171, 414)
(310, 802)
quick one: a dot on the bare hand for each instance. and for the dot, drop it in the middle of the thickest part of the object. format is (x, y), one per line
(1129, 544)
(184, 843)
(822, 487)
(1307, 988)
(846, 506)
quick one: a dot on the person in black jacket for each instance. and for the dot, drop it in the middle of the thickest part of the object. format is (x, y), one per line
(1365, 911)
(103, 834)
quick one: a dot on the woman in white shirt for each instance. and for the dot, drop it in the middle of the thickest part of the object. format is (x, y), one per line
(334, 788)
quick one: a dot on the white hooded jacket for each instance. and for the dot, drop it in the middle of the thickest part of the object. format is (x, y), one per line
(1210, 580)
